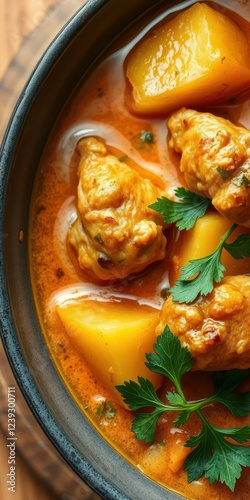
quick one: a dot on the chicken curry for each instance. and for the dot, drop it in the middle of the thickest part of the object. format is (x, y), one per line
(140, 246)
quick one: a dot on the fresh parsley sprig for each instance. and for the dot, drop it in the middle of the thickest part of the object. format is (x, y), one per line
(216, 457)
(212, 455)
(199, 275)
(184, 213)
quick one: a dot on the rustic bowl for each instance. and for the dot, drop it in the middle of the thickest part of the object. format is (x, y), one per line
(75, 49)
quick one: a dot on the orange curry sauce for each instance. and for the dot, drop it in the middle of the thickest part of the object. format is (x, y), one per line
(98, 108)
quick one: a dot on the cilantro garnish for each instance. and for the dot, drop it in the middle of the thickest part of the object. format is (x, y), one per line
(199, 275)
(183, 214)
(213, 455)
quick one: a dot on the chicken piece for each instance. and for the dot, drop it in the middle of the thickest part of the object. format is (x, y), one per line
(115, 233)
(215, 328)
(215, 160)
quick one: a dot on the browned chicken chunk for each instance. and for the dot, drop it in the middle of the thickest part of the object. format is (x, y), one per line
(215, 160)
(216, 329)
(115, 234)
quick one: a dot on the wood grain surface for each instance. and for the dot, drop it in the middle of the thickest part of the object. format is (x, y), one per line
(18, 19)
(26, 28)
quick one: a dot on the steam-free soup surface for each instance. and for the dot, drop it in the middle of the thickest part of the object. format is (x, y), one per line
(99, 110)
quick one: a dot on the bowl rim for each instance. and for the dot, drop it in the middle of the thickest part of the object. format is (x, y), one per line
(11, 344)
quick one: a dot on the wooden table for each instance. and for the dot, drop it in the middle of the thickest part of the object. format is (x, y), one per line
(26, 28)
(18, 19)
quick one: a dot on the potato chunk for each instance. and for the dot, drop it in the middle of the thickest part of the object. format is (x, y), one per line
(202, 240)
(191, 60)
(113, 338)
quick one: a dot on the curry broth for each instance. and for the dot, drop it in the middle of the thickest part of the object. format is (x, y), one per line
(98, 109)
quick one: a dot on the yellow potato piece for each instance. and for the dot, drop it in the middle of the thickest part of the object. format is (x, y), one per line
(113, 338)
(202, 240)
(178, 452)
(199, 57)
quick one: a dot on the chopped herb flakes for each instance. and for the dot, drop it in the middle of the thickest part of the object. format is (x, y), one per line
(147, 136)
(123, 158)
(223, 173)
(106, 409)
(99, 238)
(245, 182)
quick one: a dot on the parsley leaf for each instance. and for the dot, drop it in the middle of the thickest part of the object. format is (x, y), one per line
(203, 272)
(227, 381)
(199, 275)
(143, 395)
(213, 455)
(184, 214)
(240, 247)
(219, 459)
(144, 425)
(169, 360)
(140, 395)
